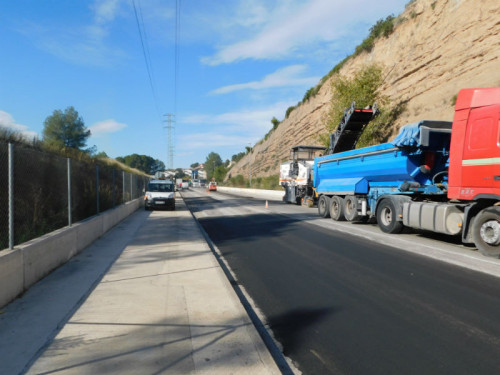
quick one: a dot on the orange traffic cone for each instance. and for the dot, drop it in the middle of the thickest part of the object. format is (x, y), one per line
(267, 206)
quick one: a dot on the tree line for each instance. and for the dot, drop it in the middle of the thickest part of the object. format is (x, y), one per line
(65, 132)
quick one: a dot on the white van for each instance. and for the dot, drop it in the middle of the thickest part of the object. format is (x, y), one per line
(160, 194)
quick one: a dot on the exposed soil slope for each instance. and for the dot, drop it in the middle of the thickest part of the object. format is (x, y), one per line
(437, 48)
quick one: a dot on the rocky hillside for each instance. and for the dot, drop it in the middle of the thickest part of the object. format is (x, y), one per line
(437, 47)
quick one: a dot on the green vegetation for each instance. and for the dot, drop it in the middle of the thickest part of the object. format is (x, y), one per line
(41, 204)
(267, 183)
(377, 130)
(212, 162)
(143, 163)
(220, 173)
(363, 89)
(236, 181)
(275, 123)
(453, 100)
(65, 129)
(311, 93)
(381, 28)
(12, 136)
(290, 109)
(237, 157)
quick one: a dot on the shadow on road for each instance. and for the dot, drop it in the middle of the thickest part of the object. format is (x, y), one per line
(288, 327)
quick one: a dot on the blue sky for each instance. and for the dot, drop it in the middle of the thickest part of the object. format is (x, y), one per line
(240, 63)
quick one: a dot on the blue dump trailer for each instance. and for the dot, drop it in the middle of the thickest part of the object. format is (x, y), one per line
(353, 184)
(439, 176)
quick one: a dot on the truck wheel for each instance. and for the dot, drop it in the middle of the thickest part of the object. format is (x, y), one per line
(486, 232)
(324, 206)
(351, 208)
(337, 208)
(386, 217)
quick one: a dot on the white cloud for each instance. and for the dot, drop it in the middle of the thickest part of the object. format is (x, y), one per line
(7, 121)
(80, 43)
(284, 77)
(279, 39)
(229, 129)
(211, 140)
(105, 10)
(299, 26)
(107, 126)
(250, 121)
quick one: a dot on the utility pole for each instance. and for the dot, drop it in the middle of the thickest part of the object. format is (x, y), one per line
(170, 145)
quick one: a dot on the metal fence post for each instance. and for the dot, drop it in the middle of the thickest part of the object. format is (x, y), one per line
(123, 186)
(131, 186)
(11, 196)
(114, 188)
(97, 186)
(70, 219)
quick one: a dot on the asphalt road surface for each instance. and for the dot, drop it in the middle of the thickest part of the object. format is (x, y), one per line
(343, 304)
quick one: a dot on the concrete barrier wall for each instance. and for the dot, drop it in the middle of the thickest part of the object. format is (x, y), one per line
(274, 195)
(29, 262)
(11, 275)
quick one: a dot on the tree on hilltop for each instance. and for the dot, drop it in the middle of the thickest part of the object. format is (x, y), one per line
(65, 129)
(143, 163)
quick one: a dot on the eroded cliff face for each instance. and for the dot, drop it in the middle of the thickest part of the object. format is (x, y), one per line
(437, 48)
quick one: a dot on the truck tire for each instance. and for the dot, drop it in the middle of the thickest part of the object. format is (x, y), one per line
(324, 206)
(351, 208)
(486, 232)
(337, 208)
(386, 217)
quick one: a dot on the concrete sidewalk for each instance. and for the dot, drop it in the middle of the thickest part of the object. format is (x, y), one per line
(149, 297)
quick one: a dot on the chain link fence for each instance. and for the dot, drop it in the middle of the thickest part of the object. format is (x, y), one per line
(49, 192)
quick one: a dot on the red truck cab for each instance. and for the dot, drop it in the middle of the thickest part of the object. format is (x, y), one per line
(474, 171)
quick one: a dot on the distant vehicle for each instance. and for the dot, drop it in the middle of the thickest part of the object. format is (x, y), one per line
(203, 183)
(178, 183)
(160, 194)
(212, 186)
(185, 184)
(196, 183)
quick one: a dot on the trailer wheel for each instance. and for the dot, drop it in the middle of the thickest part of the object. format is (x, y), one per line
(324, 206)
(386, 217)
(351, 208)
(337, 208)
(486, 232)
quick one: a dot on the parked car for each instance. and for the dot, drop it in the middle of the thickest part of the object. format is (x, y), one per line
(160, 194)
(196, 183)
(212, 186)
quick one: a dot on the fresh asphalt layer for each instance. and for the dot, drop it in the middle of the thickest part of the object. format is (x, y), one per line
(149, 297)
(342, 302)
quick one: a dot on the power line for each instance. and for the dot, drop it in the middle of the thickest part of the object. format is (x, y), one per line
(145, 52)
(177, 43)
